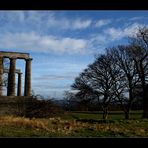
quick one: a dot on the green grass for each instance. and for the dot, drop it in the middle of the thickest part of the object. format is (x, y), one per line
(76, 124)
(14, 131)
(115, 115)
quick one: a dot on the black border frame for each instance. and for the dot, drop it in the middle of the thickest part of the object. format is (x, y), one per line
(74, 5)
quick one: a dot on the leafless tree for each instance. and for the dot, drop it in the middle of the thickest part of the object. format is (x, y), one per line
(86, 94)
(69, 100)
(97, 81)
(117, 73)
(129, 74)
(139, 53)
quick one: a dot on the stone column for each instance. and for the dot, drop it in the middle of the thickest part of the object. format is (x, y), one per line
(19, 86)
(1, 76)
(11, 78)
(27, 91)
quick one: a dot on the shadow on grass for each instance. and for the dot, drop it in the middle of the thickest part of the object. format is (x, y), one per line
(95, 121)
(92, 120)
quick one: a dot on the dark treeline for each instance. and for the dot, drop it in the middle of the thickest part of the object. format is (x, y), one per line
(116, 79)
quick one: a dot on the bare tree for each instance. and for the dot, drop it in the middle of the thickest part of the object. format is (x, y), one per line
(117, 73)
(69, 100)
(86, 94)
(139, 53)
(97, 80)
(101, 73)
(129, 73)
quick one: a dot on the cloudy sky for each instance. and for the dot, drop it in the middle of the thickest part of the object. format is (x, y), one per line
(63, 43)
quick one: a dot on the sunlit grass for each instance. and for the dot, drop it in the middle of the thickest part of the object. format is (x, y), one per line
(11, 126)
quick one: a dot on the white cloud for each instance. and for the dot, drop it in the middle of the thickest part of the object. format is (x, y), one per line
(99, 38)
(138, 18)
(119, 33)
(132, 30)
(68, 23)
(102, 22)
(81, 24)
(41, 20)
(114, 33)
(98, 42)
(54, 77)
(36, 42)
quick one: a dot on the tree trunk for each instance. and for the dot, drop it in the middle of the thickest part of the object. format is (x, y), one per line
(127, 116)
(105, 113)
(145, 91)
(128, 107)
(145, 102)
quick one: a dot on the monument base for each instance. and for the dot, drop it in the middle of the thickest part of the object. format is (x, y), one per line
(14, 105)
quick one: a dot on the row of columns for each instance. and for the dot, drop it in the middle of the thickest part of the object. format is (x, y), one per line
(11, 78)
(19, 84)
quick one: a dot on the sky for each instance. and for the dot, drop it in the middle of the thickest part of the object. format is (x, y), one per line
(62, 43)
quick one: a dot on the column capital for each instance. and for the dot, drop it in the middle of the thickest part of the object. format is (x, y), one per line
(20, 73)
(13, 58)
(30, 59)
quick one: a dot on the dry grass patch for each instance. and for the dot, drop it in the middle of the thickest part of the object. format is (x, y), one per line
(23, 122)
(67, 128)
(51, 125)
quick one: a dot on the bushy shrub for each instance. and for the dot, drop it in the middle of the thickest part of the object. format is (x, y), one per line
(41, 108)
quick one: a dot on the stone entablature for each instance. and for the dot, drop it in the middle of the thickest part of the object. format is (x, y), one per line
(15, 55)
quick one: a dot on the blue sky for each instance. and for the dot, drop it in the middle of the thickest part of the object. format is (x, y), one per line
(63, 43)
